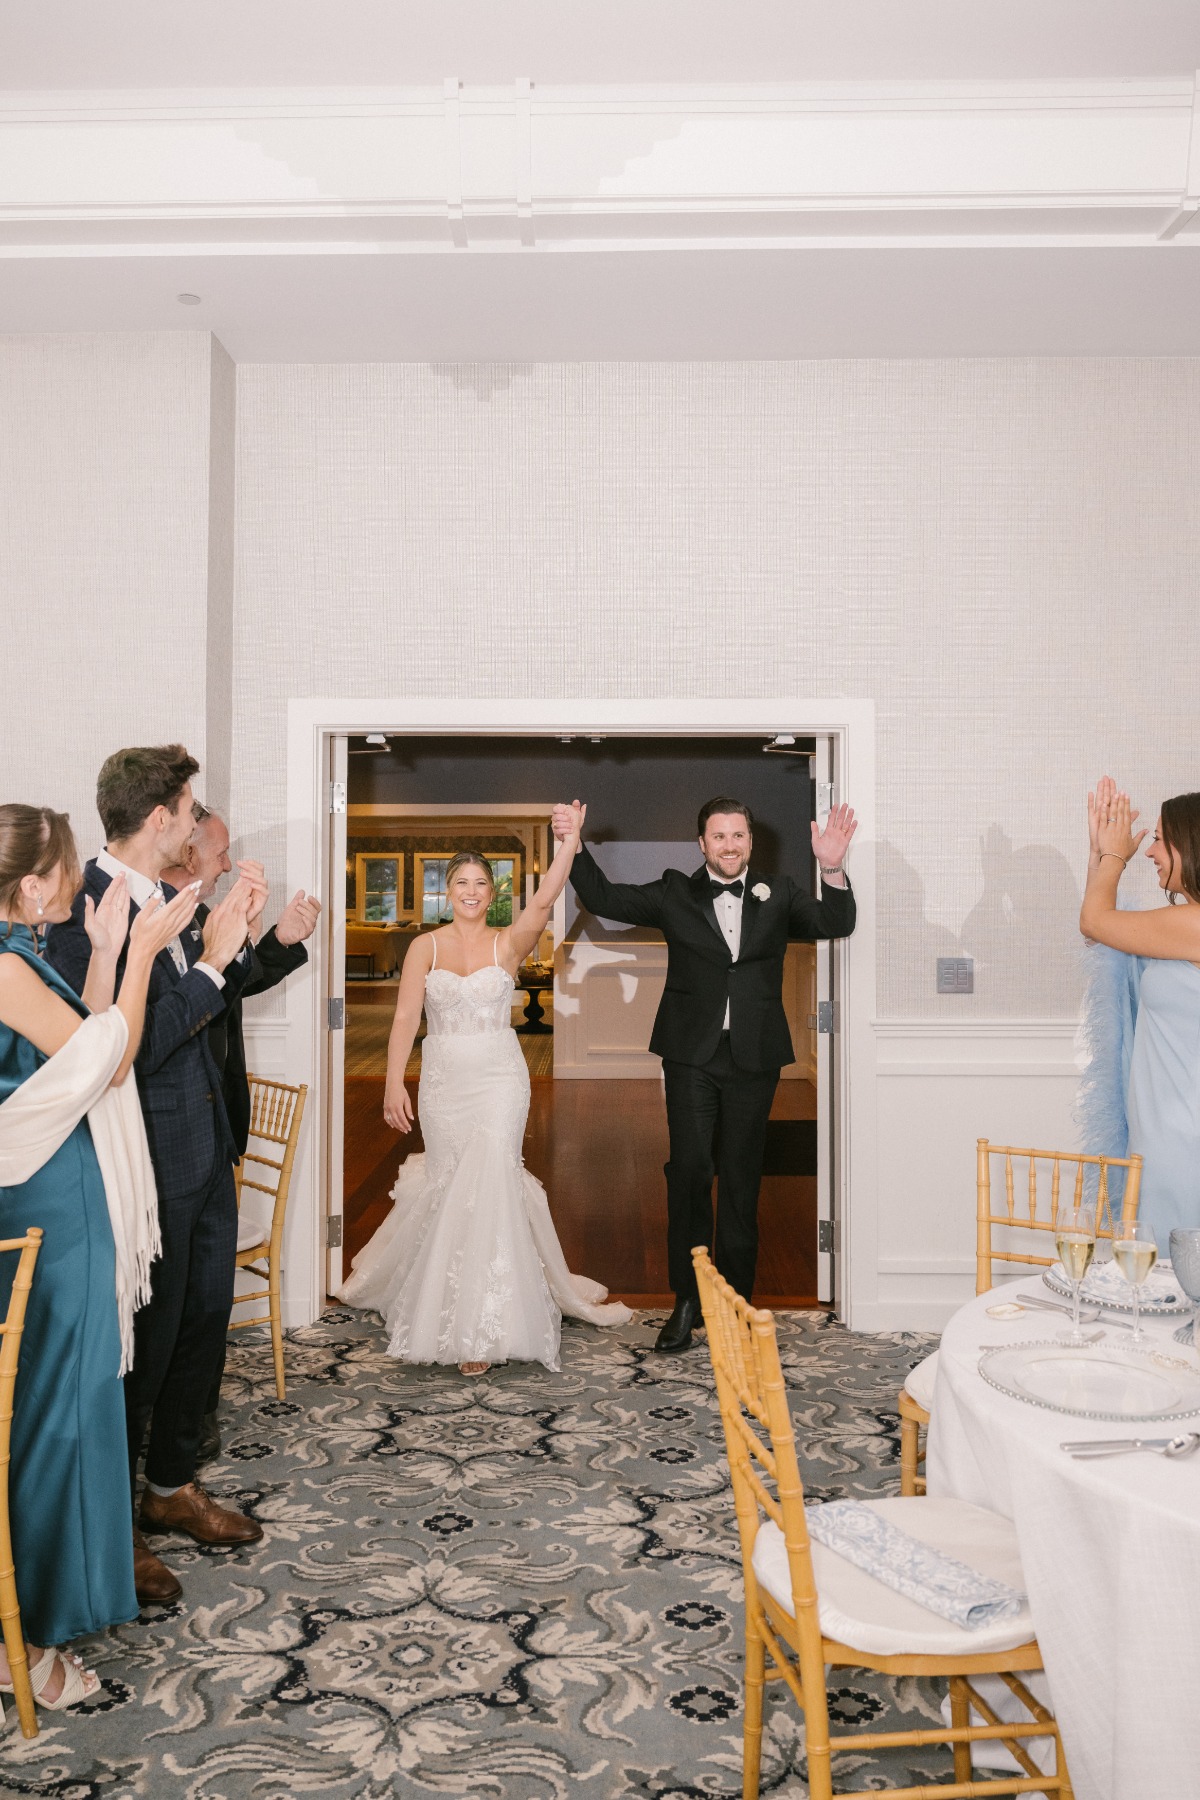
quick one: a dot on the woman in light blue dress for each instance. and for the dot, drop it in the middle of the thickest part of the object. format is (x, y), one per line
(69, 1494)
(1162, 1088)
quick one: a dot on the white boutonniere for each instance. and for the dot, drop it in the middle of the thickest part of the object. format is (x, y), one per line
(761, 891)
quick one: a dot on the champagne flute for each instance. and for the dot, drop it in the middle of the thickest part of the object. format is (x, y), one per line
(1185, 1261)
(1135, 1254)
(1075, 1241)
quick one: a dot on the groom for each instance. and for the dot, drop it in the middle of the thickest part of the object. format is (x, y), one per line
(721, 1029)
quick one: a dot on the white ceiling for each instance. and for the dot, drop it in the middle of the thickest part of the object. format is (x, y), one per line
(270, 301)
(57, 44)
(742, 305)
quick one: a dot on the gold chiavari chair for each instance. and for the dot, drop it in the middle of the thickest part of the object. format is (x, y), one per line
(10, 1351)
(275, 1114)
(1033, 1195)
(787, 1618)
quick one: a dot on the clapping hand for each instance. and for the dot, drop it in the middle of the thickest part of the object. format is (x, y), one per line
(566, 822)
(298, 920)
(830, 846)
(1102, 806)
(1110, 822)
(226, 928)
(107, 924)
(255, 877)
(160, 923)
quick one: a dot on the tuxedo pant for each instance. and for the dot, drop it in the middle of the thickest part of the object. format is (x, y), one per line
(179, 1335)
(717, 1118)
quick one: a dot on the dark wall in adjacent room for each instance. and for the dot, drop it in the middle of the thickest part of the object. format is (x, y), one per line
(636, 789)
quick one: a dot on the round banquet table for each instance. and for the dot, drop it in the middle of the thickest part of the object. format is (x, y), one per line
(1111, 1553)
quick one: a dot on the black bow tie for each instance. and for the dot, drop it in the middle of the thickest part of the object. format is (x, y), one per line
(716, 888)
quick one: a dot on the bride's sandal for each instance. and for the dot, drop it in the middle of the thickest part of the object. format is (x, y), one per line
(473, 1368)
(78, 1683)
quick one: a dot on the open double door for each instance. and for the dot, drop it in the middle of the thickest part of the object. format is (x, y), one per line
(824, 1021)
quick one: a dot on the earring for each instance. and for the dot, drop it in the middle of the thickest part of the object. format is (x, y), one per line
(41, 908)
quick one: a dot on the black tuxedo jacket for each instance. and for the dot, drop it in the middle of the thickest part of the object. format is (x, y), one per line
(270, 962)
(179, 1084)
(702, 977)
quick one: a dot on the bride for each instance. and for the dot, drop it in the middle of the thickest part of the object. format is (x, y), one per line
(467, 1267)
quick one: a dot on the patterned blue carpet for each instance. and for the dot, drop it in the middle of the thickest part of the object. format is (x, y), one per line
(524, 1587)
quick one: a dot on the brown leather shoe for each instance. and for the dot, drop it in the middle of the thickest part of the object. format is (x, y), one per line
(193, 1510)
(153, 1582)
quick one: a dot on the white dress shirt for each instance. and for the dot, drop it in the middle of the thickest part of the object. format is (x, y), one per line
(728, 908)
(141, 891)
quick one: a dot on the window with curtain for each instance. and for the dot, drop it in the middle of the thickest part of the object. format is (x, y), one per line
(380, 889)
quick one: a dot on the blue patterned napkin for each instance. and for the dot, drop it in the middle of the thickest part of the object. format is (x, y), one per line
(944, 1585)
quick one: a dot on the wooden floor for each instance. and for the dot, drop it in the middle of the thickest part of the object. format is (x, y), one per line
(599, 1148)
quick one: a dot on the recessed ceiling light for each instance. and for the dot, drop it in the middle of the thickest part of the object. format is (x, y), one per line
(188, 299)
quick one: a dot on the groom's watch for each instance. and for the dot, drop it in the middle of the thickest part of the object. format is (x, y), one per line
(838, 869)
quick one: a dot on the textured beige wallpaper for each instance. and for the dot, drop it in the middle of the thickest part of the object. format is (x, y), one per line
(104, 449)
(1003, 554)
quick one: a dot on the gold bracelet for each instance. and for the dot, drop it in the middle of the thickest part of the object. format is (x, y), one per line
(1123, 860)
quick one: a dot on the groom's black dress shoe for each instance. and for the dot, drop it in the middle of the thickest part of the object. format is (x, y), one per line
(676, 1334)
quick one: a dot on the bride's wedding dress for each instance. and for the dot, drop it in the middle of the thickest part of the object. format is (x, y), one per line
(467, 1267)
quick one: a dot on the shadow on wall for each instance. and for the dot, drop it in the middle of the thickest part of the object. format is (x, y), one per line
(1022, 932)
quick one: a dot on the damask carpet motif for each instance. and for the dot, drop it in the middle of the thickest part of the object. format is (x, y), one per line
(525, 1587)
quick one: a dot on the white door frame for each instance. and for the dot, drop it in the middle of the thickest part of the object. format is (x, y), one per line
(849, 724)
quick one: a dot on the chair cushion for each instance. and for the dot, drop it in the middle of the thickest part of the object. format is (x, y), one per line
(859, 1611)
(250, 1233)
(919, 1382)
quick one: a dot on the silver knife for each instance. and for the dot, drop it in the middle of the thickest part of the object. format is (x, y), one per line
(1102, 1446)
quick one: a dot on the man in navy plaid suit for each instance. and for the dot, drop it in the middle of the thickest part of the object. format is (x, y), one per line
(144, 798)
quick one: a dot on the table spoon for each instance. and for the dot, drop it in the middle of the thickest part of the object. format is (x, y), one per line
(1173, 1448)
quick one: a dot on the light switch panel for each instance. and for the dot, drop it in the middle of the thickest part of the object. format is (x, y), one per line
(955, 975)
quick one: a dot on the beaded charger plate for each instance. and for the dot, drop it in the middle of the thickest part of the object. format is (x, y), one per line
(1104, 1285)
(1095, 1381)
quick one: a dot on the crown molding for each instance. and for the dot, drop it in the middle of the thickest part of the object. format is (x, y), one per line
(522, 167)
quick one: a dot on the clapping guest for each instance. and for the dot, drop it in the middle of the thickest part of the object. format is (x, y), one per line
(69, 1488)
(144, 798)
(1162, 1100)
(275, 954)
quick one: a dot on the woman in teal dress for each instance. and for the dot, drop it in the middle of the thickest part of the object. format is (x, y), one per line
(68, 1480)
(1162, 1083)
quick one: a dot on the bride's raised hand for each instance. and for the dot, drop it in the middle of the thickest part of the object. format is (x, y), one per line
(397, 1107)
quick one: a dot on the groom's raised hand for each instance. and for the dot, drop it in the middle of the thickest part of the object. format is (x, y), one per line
(830, 846)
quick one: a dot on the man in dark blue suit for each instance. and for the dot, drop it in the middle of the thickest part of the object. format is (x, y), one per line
(144, 798)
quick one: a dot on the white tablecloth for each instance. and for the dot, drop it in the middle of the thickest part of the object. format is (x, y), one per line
(1111, 1552)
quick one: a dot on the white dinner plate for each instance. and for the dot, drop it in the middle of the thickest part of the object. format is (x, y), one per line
(1095, 1381)
(1104, 1285)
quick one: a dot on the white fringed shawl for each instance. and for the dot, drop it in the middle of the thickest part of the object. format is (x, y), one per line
(39, 1117)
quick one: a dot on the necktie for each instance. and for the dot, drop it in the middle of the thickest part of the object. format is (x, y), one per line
(175, 949)
(717, 888)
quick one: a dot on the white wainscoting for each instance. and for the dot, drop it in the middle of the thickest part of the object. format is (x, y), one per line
(940, 1085)
(605, 999)
(606, 996)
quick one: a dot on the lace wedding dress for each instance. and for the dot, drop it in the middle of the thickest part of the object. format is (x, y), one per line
(467, 1267)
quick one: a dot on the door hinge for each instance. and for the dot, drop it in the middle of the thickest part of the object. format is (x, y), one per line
(826, 1016)
(824, 796)
(336, 1015)
(337, 796)
(333, 1230)
(826, 1237)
